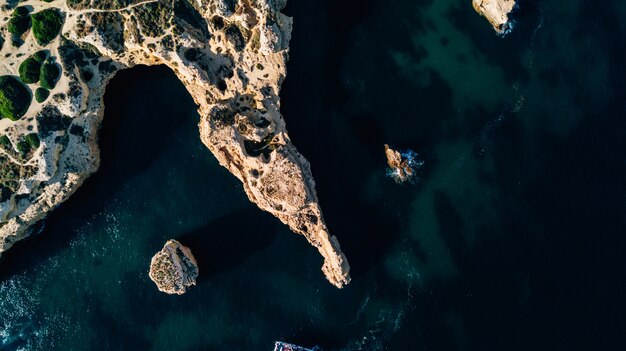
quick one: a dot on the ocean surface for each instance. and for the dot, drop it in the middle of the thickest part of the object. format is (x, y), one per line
(514, 238)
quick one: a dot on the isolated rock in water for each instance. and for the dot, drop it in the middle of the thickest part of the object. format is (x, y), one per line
(497, 13)
(230, 55)
(403, 166)
(174, 269)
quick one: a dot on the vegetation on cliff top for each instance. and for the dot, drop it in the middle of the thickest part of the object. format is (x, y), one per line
(19, 23)
(41, 94)
(33, 140)
(21, 11)
(49, 75)
(40, 56)
(153, 18)
(46, 25)
(15, 98)
(29, 70)
(5, 142)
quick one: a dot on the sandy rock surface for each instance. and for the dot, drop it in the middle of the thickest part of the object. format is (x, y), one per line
(174, 269)
(497, 13)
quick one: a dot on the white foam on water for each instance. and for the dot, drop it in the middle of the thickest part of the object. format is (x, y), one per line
(22, 324)
(387, 324)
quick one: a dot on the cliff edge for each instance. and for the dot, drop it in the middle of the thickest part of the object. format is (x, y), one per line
(497, 13)
(58, 56)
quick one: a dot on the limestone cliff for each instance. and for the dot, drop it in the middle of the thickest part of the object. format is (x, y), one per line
(497, 13)
(230, 55)
(173, 269)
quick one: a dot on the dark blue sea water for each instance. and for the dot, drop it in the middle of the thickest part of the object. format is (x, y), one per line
(514, 239)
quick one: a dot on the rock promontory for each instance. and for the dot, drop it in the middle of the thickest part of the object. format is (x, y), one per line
(174, 269)
(497, 13)
(59, 55)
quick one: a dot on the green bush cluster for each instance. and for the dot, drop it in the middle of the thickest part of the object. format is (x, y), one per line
(5, 141)
(21, 11)
(9, 172)
(46, 25)
(15, 98)
(41, 94)
(40, 56)
(30, 142)
(29, 70)
(38, 68)
(49, 75)
(23, 147)
(153, 19)
(33, 140)
(20, 21)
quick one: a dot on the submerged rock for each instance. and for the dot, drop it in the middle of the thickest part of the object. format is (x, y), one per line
(497, 13)
(403, 166)
(174, 269)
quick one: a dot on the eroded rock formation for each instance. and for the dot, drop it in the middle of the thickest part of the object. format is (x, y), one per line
(229, 54)
(497, 13)
(403, 166)
(173, 269)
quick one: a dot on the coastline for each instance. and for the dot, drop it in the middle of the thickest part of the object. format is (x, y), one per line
(218, 92)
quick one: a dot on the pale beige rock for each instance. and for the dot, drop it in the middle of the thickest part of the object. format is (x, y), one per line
(173, 269)
(496, 12)
(232, 62)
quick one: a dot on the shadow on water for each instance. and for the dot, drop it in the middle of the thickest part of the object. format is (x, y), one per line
(218, 246)
(111, 334)
(142, 104)
(343, 141)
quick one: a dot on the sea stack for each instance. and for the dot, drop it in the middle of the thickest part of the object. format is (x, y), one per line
(497, 13)
(403, 166)
(174, 269)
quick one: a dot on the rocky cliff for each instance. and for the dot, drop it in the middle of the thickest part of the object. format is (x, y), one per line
(497, 13)
(58, 56)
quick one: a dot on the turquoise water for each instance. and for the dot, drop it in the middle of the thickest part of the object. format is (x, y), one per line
(513, 239)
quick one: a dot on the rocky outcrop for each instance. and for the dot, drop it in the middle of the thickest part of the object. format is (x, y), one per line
(231, 57)
(497, 13)
(403, 166)
(174, 269)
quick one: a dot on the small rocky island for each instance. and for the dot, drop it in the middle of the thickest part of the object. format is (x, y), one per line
(59, 55)
(403, 166)
(174, 269)
(497, 13)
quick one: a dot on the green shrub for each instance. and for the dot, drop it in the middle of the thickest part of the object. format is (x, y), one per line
(15, 98)
(19, 25)
(33, 140)
(40, 56)
(41, 94)
(23, 147)
(49, 75)
(5, 141)
(46, 25)
(21, 11)
(29, 70)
